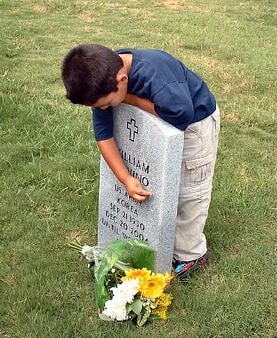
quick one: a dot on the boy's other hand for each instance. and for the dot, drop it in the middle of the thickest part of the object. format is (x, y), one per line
(130, 99)
(135, 189)
(140, 102)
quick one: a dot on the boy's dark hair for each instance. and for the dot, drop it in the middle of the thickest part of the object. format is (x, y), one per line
(89, 72)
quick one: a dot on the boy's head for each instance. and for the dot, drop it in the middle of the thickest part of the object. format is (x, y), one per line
(89, 73)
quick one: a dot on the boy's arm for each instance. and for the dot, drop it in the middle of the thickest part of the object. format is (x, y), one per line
(140, 102)
(109, 151)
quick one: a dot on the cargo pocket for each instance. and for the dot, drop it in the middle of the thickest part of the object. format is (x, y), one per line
(197, 170)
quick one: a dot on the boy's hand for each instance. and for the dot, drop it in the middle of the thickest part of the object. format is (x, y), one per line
(135, 189)
(131, 99)
(114, 160)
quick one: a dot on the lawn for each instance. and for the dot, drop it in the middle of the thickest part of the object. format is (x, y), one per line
(49, 165)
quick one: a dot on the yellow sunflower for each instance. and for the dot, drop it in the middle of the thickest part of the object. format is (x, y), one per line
(141, 274)
(136, 273)
(155, 285)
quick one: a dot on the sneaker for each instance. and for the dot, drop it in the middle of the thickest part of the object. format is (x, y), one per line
(183, 269)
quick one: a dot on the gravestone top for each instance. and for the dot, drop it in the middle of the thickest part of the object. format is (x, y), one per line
(152, 151)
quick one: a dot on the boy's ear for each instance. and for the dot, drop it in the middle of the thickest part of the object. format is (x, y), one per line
(121, 78)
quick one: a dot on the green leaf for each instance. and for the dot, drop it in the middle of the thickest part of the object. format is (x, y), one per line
(129, 308)
(137, 306)
(144, 317)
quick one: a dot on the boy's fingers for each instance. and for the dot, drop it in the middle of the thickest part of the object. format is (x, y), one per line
(141, 195)
(136, 190)
(139, 198)
(145, 193)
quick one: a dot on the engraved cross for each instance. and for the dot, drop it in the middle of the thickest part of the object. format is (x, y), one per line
(133, 129)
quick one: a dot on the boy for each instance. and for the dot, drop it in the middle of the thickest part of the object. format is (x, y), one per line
(156, 82)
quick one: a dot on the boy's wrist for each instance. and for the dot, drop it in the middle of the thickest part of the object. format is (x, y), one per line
(125, 179)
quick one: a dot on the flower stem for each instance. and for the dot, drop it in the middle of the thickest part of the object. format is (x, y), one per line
(76, 246)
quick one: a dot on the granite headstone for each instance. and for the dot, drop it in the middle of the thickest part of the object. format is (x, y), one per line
(152, 151)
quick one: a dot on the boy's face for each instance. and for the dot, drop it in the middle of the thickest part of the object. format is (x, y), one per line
(114, 98)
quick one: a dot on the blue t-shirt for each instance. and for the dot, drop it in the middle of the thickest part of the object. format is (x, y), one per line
(180, 97)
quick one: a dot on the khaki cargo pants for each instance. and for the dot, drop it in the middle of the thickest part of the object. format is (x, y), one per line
(199, 155)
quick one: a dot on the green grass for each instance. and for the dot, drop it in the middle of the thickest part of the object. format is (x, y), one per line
(49, 165)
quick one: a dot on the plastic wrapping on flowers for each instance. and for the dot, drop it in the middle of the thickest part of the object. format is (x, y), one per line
(122, 255)
(114, 259)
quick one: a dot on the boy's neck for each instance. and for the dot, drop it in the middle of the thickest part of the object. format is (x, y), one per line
(127, 62)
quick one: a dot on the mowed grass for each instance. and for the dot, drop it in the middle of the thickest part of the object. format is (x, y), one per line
(50, 165)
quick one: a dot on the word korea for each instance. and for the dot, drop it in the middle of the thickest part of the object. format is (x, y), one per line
(123, 218)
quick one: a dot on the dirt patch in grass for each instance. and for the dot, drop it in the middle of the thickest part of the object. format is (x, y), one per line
(185, 5)
(232, 117)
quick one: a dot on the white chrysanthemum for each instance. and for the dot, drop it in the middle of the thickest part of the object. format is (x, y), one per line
(87, 252)
(126, 291)
(115, 310)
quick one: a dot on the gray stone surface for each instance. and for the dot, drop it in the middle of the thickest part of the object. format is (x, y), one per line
(152, 152)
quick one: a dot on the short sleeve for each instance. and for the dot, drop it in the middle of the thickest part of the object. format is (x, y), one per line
(102, 123)
(173, 103)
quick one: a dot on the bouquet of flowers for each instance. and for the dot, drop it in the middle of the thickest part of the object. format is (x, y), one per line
(126, 286)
